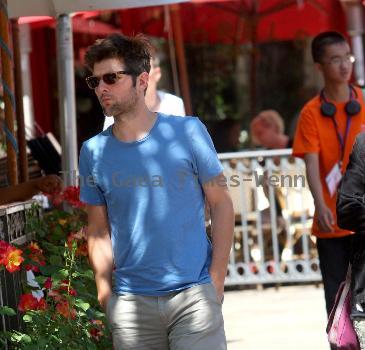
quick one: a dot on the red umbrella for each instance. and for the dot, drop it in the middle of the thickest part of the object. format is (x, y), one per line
(81, 23)
(237, 22)
(229, 22)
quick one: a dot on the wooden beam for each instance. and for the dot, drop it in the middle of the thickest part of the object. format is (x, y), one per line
(9, 100)
(23, 160)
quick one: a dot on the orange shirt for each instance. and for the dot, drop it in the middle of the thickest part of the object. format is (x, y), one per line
(317, 134)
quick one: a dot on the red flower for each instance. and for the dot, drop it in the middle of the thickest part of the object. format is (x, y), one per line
(29, 302)
(34, 248)
(3, 248)
(80, 239)
(42, 305)
(71, 195)
(82, 250)
(64, 309)
(64, 287)
(96, 331)
(55, 198)
(35, 254)
(48, 283)
(12, 259)
(55, 295)
(34, 268)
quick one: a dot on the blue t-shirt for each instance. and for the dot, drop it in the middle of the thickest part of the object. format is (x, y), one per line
(155, 203)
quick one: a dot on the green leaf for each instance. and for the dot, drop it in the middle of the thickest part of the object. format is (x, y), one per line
(58, 233)
(63, 273)
(56, 260)
(48, 270)
(41, 279)
(88, 274)
(82, 304)
(21, 337)
(6, 310)
(27, 318)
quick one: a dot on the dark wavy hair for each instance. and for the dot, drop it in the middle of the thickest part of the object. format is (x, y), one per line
(134, 51)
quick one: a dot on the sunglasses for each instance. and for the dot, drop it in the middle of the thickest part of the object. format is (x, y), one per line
(108, 78)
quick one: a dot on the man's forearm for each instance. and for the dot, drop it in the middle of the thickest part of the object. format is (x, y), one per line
(101, 259)
(313, 177)
(222, 217)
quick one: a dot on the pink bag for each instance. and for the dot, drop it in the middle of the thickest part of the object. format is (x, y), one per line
(341, 333)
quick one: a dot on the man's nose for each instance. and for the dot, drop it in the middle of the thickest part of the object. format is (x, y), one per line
(102, 87)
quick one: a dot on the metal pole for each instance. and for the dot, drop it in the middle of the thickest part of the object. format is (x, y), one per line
(66, 92)
(172, 50)
(9, 99)
(358, 50)
(355, 28)
(23, 160)
(180, 52)
(25, 50)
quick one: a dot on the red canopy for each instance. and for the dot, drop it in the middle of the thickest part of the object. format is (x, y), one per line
(227, 22)
(82, 23)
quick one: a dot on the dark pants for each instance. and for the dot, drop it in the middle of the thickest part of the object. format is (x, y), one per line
(334, 257)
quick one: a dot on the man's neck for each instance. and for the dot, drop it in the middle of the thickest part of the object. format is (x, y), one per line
(337, 92)
(133, 126)
(152, 99)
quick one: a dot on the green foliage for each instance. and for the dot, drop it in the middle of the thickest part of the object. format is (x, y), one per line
(69, 315)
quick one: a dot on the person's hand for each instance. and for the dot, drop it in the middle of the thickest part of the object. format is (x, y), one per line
(325, 218)
(49, 184)
(218, 283)
(103, 299)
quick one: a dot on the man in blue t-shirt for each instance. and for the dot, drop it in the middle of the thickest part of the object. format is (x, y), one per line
(145, 180)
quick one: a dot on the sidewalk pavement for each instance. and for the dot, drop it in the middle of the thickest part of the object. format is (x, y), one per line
(290, 318)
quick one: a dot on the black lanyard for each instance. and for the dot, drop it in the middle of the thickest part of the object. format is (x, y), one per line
(342, 139)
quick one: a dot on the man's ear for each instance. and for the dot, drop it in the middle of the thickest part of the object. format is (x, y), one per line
(318, 66)
(157, 74)
(142, 81)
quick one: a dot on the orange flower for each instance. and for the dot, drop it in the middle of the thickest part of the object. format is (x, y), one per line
(42, 305)
(62, 222)
(82, 250)
(34, 248)
(70, 240)
(80, 240)
(12, 259)
(55, 295)
(96, 331)
(64, 287)
(35, 254)
(64, 309)
(29, 302)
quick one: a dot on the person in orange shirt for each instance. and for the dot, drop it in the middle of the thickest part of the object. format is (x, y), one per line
(327, 128)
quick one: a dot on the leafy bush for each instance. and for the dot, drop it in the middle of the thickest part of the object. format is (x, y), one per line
(60, 308)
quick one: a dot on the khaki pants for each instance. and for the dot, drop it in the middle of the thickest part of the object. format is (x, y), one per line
(359, 326)
(187, 320)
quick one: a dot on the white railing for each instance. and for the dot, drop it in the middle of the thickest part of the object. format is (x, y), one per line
(274, 210)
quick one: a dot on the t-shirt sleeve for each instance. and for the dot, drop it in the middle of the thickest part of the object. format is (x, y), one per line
(90, 193)
(206, 162)
(306, 138)
(181, 107)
